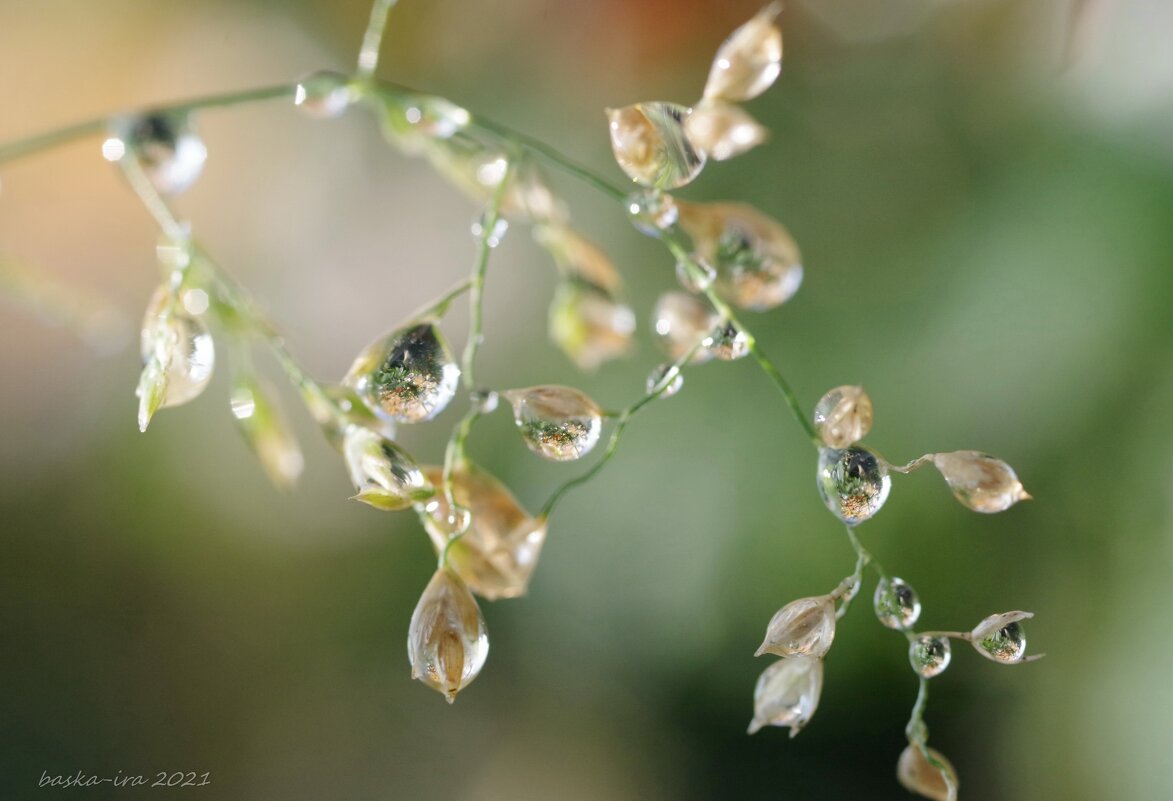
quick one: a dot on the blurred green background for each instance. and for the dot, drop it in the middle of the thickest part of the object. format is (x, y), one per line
(983, 192)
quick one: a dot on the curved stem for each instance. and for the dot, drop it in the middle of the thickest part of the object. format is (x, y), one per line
(372, 40)
(99, 125)
(476, 298)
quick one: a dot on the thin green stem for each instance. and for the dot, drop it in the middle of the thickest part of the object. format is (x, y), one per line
(476, 297)
(372, 40)
(916, 730)
(439, 307)
(100, 125)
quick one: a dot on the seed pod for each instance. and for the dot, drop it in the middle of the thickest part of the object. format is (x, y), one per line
(266, 430)
(498, 552)
(749, 61)
(723, 130)
(680, 322)
(447, 642)
(384, 475)
(757, 261)
(805, 627)
(589, 325)
(178, 355)
(981, 482)
(408, 376)
(787, 693)
(650, 144)
(918, 775)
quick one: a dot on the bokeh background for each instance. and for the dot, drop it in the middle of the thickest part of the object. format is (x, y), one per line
(983, 191)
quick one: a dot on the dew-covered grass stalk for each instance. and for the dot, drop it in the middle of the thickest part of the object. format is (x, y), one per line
(729, 257)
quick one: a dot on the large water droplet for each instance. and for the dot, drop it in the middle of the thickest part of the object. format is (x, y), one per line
(853, 483)
(447, 641)
(167, 147)
(757, 261)
(787, 693)
(408, 376)
(323, 94)
(558, 423)
(896, 603)
(649, 143)
(182, 345)
(843, 416)
(929, 655)
(680, 322)
(749, 61)
(1001, 638)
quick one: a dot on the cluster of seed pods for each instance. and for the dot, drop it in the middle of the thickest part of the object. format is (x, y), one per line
(487, 544)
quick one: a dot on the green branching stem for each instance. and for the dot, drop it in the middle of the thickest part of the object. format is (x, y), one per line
(454, 453)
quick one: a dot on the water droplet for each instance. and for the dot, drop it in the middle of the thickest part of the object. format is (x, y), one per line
(918, 775)
(695, 275)
(494, 237)
(589, 325)
(182, 346)
(484, 400)
(757, 261)
(447, 641)
(649, 143)
(557, 423)
(723, 130)
(652, 213)
(805, 627)
(323, 94)
(749, 61)
(930, 655)
(666, 378)
(167, 147)
(680, 322)
(728, 341)
(383, 474)
(408, 376)
(266, 430)
(787, 693)
(843, 416)
(896, 603)
(1001, 638)
(980, 482)
(499, 551)
(438, 118)
(853, 483)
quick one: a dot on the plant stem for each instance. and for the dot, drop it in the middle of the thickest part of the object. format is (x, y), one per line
(372, 40)
(70, 133)
(476, 297)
